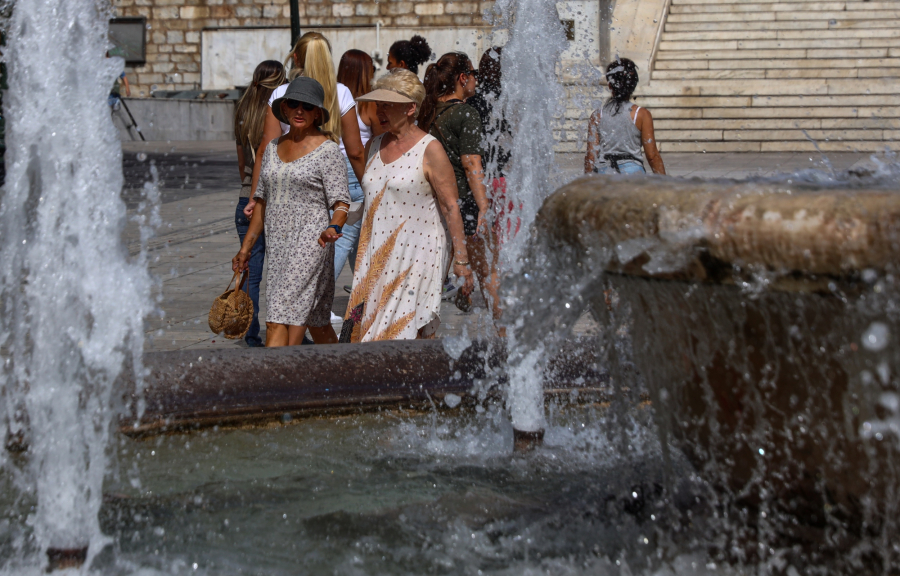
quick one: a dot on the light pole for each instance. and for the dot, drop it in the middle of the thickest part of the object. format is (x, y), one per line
(295, 22)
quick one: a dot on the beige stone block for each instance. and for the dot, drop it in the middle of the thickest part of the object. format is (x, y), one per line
(462, 19)
(667, 46)
(706, 74)
(166, 48)
(366, 9)
(806, 146)
(797, 134)
(787, 113)
(188, 67)
(399, 8)
(137, 11)
(174, 37)
(221, 12)
(871, 123)
(677, 113)
(149, 78)
(878, 112)
(191, 78)
(837, 87)
(461, 7)
(123, 3)
(805, 87)
(695, 101)
(186, 48)
(163, 67)
(747, 25)
(316, 21)
(838, 33)
(807, 63)
(272, 11)
(682, 64)
(143, 2)
(721, 17)
(831, 43)
(852, 53)
(409, 20)
(430, 9)
(721, 35)
(879, 73)
(182, 58)
(731, 54)
(319, 10)
(248, 11)
(880, 42)
(854, 6)
(179, 25)
(165, 13)
(670, 135)
(850, 101)
(342, 10)
(756, 7)
(864, 24)
(192, 37)
(710, 146)
(157, 37)
(735, 124)
(443, 20)
(812, 73)
(191, 12)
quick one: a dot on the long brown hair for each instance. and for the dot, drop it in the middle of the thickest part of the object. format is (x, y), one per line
(250, 112)
(355, 72)
(440, 80)
(314, 55)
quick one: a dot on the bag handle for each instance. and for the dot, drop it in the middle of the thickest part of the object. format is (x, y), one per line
(238, 285)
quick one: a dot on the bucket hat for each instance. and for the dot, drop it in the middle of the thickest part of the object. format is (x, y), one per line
(302, 89)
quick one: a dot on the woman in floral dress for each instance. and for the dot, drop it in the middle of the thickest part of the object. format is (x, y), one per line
(303, 176)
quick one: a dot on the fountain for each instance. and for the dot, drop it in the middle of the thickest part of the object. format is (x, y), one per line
(738, 410)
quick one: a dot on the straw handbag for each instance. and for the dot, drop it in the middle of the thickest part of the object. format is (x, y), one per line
(232, 312)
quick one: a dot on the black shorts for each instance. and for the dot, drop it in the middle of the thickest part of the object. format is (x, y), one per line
(469, 211)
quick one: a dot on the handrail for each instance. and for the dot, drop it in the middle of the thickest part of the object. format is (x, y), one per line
(662, 25)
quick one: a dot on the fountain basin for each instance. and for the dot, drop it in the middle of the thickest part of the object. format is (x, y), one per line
(254, 387)
(750, 309)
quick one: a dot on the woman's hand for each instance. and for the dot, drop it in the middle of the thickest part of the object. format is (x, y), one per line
(241, 262)
(248, 209)
(329, 235)
(466, 273)
(481, 228)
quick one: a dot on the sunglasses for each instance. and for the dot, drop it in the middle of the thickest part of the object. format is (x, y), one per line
(292, 104)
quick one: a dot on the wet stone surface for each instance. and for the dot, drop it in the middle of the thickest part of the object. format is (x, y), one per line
(199, 187)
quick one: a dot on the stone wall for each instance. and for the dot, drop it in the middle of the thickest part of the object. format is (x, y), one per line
(174, 26)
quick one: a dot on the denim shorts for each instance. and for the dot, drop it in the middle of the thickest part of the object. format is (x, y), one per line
(625, 167)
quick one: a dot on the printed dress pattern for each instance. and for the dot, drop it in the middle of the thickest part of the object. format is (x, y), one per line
(403, 250)
(300, 277)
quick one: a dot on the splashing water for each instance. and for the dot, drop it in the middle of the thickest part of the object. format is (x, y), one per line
(73, 304)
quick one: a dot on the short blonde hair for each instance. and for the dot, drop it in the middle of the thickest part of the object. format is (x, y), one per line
(403, 82)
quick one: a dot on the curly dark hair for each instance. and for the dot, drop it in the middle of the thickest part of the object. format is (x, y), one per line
(622, 76)
(413, 52)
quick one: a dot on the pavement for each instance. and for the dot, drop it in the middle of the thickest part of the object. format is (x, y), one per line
(198, 185)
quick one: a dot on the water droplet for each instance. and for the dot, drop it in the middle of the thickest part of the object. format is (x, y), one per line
(762, 452)
(875, 338)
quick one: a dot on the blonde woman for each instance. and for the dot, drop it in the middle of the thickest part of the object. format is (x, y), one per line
(403, 246)
(311, 57)
(249, 121)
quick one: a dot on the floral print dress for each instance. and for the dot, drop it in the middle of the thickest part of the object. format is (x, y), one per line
(298, 195)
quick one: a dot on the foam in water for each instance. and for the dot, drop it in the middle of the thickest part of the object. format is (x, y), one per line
(73, 302)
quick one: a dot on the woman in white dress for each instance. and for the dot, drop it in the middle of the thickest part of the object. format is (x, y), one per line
(403, 246)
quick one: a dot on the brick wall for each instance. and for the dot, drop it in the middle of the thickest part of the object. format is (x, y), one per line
(173, 35)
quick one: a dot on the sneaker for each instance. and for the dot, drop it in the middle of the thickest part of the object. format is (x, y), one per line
(335, 319)
(450, 290)
(348, 289)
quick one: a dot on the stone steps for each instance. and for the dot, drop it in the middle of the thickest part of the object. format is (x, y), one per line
(770, 76)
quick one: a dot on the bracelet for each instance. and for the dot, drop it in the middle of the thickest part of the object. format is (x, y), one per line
(343, 209)
(336, 228)
(458, 263)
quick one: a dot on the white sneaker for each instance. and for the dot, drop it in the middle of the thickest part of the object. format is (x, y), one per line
(335, 319)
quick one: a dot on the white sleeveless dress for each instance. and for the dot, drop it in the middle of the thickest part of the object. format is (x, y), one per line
(403, 250)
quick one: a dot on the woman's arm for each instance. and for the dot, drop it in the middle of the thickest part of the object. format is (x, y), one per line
(242, 260)
(439, 173)
(475, 177)
(353, 142)
(593, 142)
(338, 218)
(370, 119)
(645, 121)
(241, 161)
(271, 130)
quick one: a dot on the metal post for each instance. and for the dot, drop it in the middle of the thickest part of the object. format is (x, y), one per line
(295, 22)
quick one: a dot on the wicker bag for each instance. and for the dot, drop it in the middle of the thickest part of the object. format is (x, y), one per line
(232, 312)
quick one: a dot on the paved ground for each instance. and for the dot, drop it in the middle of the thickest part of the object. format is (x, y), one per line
(198, 182)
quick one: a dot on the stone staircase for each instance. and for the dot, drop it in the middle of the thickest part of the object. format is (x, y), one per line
(773, 76)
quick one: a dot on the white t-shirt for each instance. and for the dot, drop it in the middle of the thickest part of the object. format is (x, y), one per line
(345, 103)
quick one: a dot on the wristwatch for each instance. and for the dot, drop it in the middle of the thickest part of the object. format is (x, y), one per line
(336, 228)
